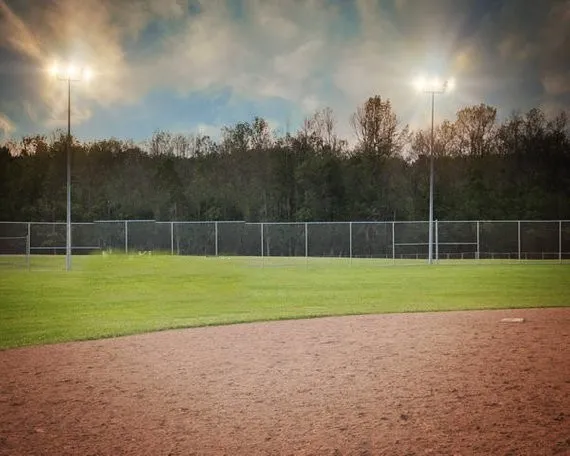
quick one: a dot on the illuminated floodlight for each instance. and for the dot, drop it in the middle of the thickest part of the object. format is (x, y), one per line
(71, 72)
(433, 84)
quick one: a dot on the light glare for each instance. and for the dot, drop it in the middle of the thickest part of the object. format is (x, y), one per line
(88, 74)
(420, 84)
(54, 70)
(71, 71)
(433, 84)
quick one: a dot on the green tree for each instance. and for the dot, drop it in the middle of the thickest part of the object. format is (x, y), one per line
(378, 129)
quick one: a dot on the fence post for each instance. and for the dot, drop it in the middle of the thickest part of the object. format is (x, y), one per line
(560, 241)
(478, 246)
(436, 241)
(393, 242)
(177, 240)
(172, 238)
(350, 241)
(216, 238)
(262, 241)
(519, 236)
(306, 240)
(126, 237)
(29, 245)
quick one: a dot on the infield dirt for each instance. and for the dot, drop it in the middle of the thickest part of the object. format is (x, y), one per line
(454, 383)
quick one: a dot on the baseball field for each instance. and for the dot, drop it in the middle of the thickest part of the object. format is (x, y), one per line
(408, 360)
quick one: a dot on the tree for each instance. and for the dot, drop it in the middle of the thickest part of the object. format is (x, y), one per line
(319, 132)
(510, 135)
(517, 169)
(237, 139)
(476, 130)
(445, 141)
(377, 128)
(261, 136)
(161, 143)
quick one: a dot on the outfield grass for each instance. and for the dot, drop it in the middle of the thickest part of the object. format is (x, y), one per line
(116, 295)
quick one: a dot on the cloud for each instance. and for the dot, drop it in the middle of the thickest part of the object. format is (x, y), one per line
(7, 127)
(207, 53)
(15, 34)
(298, 64)
(514, 47)
(59, 28)
(555, 59)
(311, 53)
(557, 83)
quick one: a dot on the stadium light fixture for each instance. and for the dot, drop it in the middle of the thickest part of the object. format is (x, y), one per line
(432, 86)
(69, 73)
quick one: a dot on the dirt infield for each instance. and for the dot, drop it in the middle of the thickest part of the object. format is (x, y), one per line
(460, 383)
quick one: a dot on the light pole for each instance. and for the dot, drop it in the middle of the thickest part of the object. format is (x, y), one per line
(69, 73)
(432, 87)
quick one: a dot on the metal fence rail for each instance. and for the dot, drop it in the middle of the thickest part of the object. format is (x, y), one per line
(479, 239)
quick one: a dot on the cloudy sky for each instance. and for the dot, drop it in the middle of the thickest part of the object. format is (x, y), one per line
(196, 65)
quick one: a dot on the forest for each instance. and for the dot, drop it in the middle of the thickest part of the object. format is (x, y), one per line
(484, 170)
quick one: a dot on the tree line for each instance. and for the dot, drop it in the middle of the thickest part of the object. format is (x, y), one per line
(485, 169)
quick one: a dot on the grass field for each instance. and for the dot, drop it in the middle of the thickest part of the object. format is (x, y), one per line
(118, 295)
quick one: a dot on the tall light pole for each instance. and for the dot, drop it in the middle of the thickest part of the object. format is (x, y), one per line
(69, 73)
(433, 87)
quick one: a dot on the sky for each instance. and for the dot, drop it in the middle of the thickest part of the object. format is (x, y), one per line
(193, 66)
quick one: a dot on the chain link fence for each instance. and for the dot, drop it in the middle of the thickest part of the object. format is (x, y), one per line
(453, 240)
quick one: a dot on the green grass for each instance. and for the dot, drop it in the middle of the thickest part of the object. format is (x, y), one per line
(118, 295)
